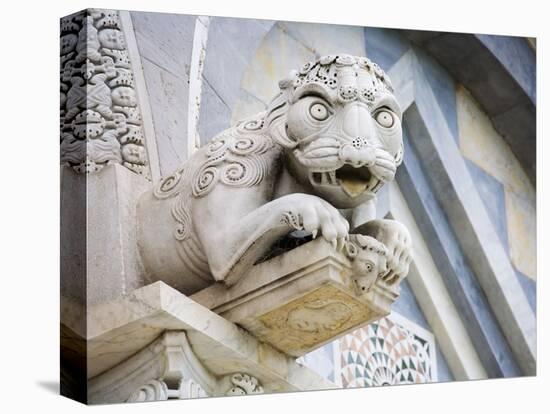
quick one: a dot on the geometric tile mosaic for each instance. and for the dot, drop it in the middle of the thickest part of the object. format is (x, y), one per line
(386, 353)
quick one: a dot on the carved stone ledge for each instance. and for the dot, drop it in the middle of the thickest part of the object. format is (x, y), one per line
(301, 299)
(157, 336)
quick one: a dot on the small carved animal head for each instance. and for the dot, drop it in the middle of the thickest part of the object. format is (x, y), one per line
(341, 124)
(368, 257)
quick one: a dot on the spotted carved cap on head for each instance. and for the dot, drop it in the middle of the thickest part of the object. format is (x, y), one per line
(353, 77)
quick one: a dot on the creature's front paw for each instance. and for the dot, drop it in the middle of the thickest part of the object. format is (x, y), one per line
(397, 240)
(315, 215)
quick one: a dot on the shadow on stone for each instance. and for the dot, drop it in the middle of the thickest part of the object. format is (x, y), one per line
(51, 386)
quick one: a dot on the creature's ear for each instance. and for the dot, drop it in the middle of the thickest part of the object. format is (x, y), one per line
(382, 266)
(399, 156)
(289, 82)
(276, 116)
(362, 240)
(350, 250)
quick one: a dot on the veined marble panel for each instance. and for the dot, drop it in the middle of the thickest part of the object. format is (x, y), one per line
(480, 143)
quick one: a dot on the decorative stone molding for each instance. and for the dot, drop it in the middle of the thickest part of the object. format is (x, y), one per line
(154, 390)
(190, 389)
(157, 390)
(168, 368)
(244, 384)
(100, 119)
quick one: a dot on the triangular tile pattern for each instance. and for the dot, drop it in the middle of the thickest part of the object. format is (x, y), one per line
(384, 353)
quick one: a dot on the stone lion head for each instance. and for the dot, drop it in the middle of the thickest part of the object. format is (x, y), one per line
(341, 125)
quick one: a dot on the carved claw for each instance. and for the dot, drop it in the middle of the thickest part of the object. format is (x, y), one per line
(334, 243)
(314, 234)
(341, 243)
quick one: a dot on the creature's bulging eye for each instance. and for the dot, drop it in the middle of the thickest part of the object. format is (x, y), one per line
(384, 118)
(319, 111)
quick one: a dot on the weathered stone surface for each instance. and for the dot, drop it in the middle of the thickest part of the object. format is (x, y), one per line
(522, 233)
(456, 192)
(99, 250)
(215, 114)
(500, 72)
(231, 44)
(261, 77)
(458, 276)
(480, 143)
(168, 97)
(385, 46)
(165, 39)
(518, 59)
(113, 264)
(439, 301)
(247, 104)
(327, 39)
(492, 193)
(73, 257)
(165, 43)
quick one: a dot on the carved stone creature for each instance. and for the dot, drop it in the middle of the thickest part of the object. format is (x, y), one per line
(368, 258)
(398, 252)
(313, 162)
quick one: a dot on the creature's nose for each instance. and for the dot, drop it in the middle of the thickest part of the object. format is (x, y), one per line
(357, 121)
(357, 126)
(357, 156)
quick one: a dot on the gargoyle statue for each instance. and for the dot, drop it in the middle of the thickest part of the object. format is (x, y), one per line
(313, 161)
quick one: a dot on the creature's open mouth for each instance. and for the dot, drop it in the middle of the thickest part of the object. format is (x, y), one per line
(353, 181)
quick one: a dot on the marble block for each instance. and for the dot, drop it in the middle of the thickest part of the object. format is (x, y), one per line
(301, 299)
